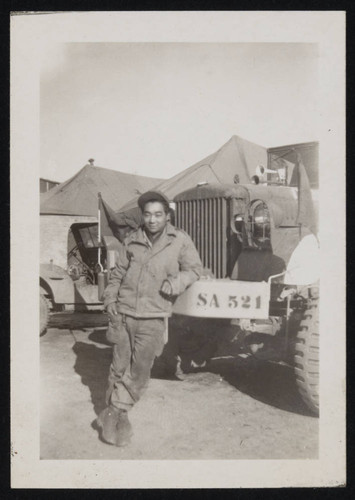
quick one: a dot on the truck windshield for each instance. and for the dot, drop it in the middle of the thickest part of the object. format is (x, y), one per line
(89, 236)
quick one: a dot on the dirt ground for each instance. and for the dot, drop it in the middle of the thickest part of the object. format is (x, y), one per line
(233, 408)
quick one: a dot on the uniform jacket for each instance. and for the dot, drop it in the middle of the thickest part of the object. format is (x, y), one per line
(141, 269)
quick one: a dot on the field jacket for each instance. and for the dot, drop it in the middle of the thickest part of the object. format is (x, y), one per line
(141, 268)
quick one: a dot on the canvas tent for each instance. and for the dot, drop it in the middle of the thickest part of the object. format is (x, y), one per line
(79, 194)
(236, 157)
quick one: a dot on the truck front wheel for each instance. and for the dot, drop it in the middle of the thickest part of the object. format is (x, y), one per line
(306, 357)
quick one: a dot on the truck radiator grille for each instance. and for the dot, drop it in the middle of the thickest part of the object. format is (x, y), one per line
(206, 222)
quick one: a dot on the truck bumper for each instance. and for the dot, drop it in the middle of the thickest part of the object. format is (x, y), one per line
(225, 298)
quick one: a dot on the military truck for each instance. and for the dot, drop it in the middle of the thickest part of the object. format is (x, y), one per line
(259, 242)
(77, 285)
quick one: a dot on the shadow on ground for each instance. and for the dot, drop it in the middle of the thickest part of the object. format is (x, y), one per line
(270, 383)
(92, 364)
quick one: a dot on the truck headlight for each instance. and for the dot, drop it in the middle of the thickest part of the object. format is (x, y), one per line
(261, 223)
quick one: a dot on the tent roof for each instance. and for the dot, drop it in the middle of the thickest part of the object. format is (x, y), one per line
(237, 156)
(79, 194)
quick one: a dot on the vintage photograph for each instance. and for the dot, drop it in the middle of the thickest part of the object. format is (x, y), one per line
(180, 251)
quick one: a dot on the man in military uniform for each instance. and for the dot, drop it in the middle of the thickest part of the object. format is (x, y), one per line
(158, 262)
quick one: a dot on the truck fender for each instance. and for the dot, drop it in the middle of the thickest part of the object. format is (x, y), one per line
(56, 282)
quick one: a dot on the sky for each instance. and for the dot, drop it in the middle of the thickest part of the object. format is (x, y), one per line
(157, 108)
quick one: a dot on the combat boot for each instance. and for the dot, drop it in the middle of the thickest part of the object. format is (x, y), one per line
(123, 429)
(115, 426)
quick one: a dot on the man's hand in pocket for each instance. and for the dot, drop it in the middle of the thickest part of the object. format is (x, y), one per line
(112, 311)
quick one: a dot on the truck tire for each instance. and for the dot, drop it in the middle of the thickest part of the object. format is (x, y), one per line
(43, 314)
(306, 357)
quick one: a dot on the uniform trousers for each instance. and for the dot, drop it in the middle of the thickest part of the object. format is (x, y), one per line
(136, 343)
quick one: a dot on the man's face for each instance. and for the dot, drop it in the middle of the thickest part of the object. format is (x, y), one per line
(154, 217)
